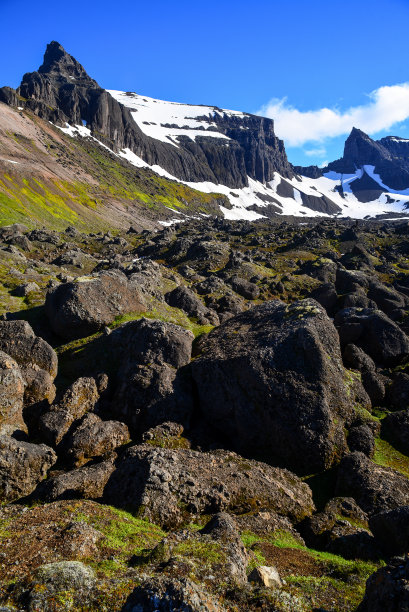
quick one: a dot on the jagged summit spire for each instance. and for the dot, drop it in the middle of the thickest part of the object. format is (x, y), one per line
(58, 62)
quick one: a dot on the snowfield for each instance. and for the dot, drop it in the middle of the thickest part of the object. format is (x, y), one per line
(166, 121)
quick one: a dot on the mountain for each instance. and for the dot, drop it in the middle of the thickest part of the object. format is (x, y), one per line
(369, 169)
(233, 155)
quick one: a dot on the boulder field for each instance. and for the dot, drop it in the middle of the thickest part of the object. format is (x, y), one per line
(205, 417)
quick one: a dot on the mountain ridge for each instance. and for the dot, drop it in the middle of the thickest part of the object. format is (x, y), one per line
(214, 150)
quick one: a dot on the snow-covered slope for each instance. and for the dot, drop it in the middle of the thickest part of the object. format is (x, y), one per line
(300, 195)
(167, 121)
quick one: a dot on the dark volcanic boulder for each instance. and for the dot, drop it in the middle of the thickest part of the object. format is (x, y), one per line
(12, 387)
(164, 594)
(85, 306)
(373, 487)
(391, 529)
(87, 482)
(271, 380)
(94, 438)
(387, 590)
(361, 439)
(341, 528)
(245, 288)
(395, 426)
(37, 360)
(398, 392)
(373, 382)
(184, 298)
(377, 335)
(387, 299)
(78, 399)
(152, 385)
(169, 486)
(22, 466)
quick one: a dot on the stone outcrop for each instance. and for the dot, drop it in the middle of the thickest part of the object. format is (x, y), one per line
(271, 381)
(373, 487)
(85, 306)
(32, 353)
(22, 467)
(168, 486)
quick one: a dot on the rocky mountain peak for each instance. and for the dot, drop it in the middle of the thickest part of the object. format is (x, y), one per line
(57, 62)
(360, 148)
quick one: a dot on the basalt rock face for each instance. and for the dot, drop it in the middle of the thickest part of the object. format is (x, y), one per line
(62, 92)
(388, 156)
(271, 381)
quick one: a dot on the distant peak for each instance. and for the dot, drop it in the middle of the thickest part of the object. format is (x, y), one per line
(357, 133)
(58, 62)
(53, 55)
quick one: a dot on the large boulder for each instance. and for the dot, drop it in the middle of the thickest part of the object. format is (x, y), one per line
(271, 381)
(77, 400)
(94, 438)
(22, 467)
(373, 487)
(373, 382)
(342, 529)
(398, 392)
(169, 486)
(387, 590)
(387, 299)
(87, 482)
(395, 426)
(83, 307)
(12, 387)
(164, 594)
(391, 529)
(151, 385)
(374, 332)
(182, 297)
(245, 288)
(37, 360)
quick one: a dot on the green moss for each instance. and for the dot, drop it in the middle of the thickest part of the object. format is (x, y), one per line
(163, 312)
(123, 531)
(284, 539)
(204, 551)
(387, 456)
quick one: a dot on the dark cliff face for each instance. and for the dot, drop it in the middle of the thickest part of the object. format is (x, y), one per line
(390, 159)
(61, 91)
(389, 156)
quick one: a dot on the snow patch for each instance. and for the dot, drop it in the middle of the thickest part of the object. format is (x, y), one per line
(167, 121)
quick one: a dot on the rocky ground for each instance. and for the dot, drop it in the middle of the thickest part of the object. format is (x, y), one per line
(210, 417)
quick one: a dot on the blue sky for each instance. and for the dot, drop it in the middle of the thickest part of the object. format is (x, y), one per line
(284, 59)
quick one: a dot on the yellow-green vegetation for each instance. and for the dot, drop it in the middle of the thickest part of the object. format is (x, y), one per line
(55, 202)
(387, 456)
(163, 312)
(300, 312)
(123, 533)
(312, 575)
(203, 551)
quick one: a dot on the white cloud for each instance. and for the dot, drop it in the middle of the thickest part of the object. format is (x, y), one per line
(323, 164)
(386, 106)
(316, 152)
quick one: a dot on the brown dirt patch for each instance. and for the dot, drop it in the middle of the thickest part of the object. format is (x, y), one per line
(290, 561)
(30, 537)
